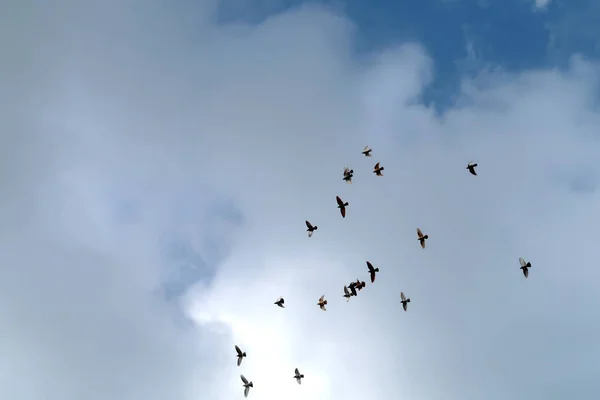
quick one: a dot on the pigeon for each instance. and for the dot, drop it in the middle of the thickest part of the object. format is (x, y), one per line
(377, 170)
(367, 151)
(240, 355)
(247, 385)
(422, 237)
(342, 206)
(280, 302)
(471, 168)
(298, 376)
(525, 267)
(348, 174)
(347, 293)
(404, 301)
(352, 287)
(372, 271)
(360, 284)
(322, 303)
(311, 228)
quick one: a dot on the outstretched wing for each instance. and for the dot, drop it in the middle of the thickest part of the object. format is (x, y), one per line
(526, 272)
(246, 391)
(321, 298)
(346, 292)
(370, 266)
(522, 262)
(404, 306)
(239, 361)
(339, 201)
(372, 276)
(296, 371)
(343, 212)
(308, 225)
(419, 233)
(238, 350)
(402, 296)
(244, 379)
(422, 243)
(376, 166)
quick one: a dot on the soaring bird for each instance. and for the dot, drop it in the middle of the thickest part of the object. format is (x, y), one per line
(372, 271)
(471, 168)
(322, 303)
(377, 170)
(247, 385)
(342, 206)
(348, 174)
(367, 151)
(240, 355)
(311, 228)
(298, 376)
(280, 302)
(404, 301)
(525, 267)
(347, 293)
(422, 237)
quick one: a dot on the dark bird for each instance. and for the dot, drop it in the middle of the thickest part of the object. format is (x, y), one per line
(367, 151)
(347, 293)
(525, 267)
(377, 170)
(360, 285)
(240, 355)
(280, 302)
(342, 206)
(298, 376)
(372, 271)
(348, 174)
(422, 237)
(311, 228)
(352, 287)
(322, 303)
(247, 385)
(404, 301)
(471, 168)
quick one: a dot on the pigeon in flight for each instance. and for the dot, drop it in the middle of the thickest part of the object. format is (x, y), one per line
(404, 301)
(347, 293)
(422, 237)
(525, 267)
(280, 302)
(342, 206)
(322, 303)
(471, 168)
(247, 385)
(240, 355)
(348, 174)
(311, 228)
(367, 151)
(372, 271)
(298, 376)
(377, 170)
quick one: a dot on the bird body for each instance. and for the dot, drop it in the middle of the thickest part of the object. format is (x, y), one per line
(377, 170)
(310, 228)
(372, 271)
(342, 206)
(240, 355)
(280, 302)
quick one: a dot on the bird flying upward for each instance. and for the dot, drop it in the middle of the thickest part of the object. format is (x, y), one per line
(372, 271)
(342, 206)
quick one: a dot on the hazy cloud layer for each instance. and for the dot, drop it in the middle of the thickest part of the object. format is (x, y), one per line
(143, 142)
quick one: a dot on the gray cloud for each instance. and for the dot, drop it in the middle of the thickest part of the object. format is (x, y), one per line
(129, 129)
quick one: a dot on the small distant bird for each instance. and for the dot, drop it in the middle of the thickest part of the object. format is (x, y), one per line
(280, 302)
(342, 206)
(372, 271)
(367, 151)
(360, 284)
(352, 287)
(298, 376)
(525, 267)
(471, 168)
(377, 170)
(422, 237)
(311, 228)
(347, 293)
(247, 385)
(322, 303)
(240, 355)
(348, 174)
(404, 301)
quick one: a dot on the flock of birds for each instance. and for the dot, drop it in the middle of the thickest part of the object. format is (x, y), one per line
(354, 287)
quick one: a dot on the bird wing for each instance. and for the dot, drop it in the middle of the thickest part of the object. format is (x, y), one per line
(423, 243)
(370, 266)
(238, 350)
(366, 148)
(404, 306)
(372, 276)
(296, 371)
(309, 225)
(419, 233)
(343, 211)
(402, 296)
(526, 272)
(339, 201)
(321, 298)
(346, 292)
(244, 379)
(239, 361)
(246, 391)
(346, 171)
(522, 262)
(376, 166)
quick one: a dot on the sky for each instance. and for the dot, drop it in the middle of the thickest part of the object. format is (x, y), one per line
(159, 159)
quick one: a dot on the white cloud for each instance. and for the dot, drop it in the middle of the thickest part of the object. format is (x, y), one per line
(542, 3)
(149, 107)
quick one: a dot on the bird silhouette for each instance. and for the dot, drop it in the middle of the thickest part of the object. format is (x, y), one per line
(422, 237)
(311, 228)
(372, 271)
(404, 301)
(240, 355)
(342, 206)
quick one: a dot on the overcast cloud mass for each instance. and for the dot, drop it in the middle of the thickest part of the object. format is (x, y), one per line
(157, 167)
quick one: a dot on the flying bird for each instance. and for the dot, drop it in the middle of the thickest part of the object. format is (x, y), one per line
(372, 271)
(280, 302)
(322, 303)
(298, 376)
(360, 284)
(471, 168)
(422, 237)
(240, 355)
(311, 228)
(525, 267)
(404, 301)
(367, 151)
(342, 206)
(347, 293)
(247, 385)
(377, 170)
(348, 174)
